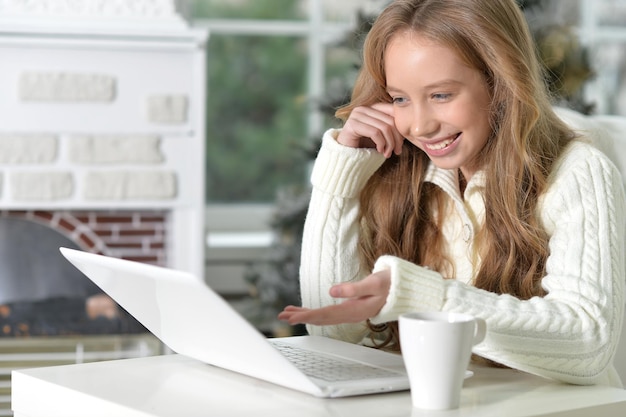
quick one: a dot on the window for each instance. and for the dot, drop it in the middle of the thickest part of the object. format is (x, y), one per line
(272, 65)
(269, 63)
(602, 31)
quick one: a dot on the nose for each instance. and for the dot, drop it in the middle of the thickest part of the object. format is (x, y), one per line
(424, 122)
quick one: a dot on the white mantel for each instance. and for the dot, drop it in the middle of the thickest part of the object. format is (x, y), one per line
(109, 95)
(89, 7)
(92, 15)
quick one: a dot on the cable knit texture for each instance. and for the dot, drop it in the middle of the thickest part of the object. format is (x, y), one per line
(570, 334)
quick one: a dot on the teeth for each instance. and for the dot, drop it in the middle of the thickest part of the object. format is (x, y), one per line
(440, 145)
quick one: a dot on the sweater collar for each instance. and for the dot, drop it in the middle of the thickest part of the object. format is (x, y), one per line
(448, 181)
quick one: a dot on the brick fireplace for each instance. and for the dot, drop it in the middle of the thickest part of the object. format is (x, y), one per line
(137, 235)
(101, 142)
(102, 126)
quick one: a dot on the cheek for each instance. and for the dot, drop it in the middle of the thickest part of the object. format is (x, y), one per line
(403, 124)
(482, 123)
(415, 143)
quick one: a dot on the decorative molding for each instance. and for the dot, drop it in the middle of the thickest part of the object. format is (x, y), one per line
(27, 149)
(93, 16)
(42, 185)
(130, 185)
(91, 8)
(168, 109)
(116, 149)
(65, 86)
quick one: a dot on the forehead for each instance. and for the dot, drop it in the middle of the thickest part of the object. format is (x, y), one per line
(410, 56)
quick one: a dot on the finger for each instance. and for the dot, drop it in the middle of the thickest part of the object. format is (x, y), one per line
(398, 139)
(386, 108)
(373, 285)
(330, 315)
(288, 312)
(285, 316)
(354, 310)
(373, 124)
(380, 129)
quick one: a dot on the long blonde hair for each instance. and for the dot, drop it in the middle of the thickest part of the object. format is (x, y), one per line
(397, 206)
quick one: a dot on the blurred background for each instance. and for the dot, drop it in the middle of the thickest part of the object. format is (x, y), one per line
(277, 69)
(273, 64)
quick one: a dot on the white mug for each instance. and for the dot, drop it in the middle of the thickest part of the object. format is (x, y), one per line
(437, 347)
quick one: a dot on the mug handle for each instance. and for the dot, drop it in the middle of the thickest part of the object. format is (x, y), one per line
(480, 330)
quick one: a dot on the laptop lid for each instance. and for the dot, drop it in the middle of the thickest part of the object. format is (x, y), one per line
(193, 320)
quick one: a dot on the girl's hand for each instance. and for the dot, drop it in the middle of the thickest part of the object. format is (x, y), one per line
(372, 127)
(364, 299)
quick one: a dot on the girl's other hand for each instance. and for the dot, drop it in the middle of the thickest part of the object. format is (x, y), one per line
(372, 127)
(363, 299)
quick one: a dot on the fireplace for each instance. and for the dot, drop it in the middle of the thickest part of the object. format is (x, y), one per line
(41, 294)
(102, 127)
(103, 118)
(101, 144)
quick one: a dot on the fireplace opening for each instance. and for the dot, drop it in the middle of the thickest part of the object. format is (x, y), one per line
(42, 294)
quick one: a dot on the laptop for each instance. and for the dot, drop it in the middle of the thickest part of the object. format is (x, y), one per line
(193, 320)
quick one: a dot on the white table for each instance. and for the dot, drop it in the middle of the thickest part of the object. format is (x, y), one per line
(177, 386)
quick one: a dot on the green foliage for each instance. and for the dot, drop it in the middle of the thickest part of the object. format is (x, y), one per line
(248, 9)
(254, 118)
(256, 106)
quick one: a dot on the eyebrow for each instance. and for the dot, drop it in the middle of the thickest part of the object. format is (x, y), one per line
(436, 84)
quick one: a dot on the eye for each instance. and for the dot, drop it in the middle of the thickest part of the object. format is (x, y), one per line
(398, 100)
(441, 96)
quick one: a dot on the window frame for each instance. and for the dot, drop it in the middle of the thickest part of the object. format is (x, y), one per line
(247, 230)
(594, 34)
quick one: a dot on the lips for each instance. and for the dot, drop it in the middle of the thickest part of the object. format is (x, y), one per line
(441, 145)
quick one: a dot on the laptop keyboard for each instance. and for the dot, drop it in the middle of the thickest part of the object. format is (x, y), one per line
(329, 368)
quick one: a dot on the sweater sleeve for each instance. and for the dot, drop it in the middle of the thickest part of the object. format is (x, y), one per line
(329, 243)
(571, 334)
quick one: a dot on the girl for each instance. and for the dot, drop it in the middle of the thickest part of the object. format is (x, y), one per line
(454, 186)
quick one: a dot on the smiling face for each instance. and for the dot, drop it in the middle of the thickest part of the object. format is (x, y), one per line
(441, 105)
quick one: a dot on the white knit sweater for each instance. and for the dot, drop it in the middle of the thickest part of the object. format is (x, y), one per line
(570, 334)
